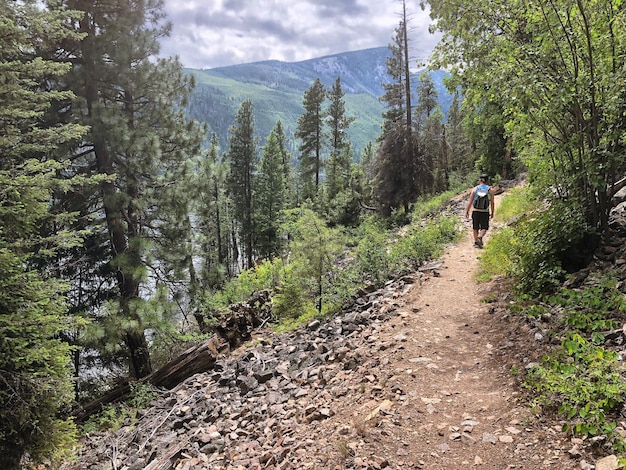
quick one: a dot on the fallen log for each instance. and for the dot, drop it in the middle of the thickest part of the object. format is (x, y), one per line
(228, 332)
(198, 358)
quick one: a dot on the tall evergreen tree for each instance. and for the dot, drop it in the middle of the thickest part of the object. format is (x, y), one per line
(140, 141)
(427, 98)
(435, 156)
(343, 207)
(368, 157)
(340, 161)
(397, 96)
(459, 147)
(290, 183)
(211, 210)
(394, 98)
(270, 196)
(310, 132)
(430, 131)
(488, 136)
(400, 162)
(243, 159)
(35, 381)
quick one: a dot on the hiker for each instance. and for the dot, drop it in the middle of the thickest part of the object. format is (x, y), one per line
(482, 205)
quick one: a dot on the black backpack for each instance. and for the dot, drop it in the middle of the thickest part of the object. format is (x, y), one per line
(481, 197)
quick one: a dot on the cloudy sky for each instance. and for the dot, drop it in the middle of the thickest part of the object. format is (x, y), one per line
(213, 33)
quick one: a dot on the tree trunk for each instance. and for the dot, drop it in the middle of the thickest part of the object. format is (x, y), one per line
(128, 286)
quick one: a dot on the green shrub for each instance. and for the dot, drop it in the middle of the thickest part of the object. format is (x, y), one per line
(113, 416)
(583, 383)
(372, 253)
(421, 243)
(532, 250)
(581, 380)
(110, 418)
(591, 310)
(141, 394)
(541, 240)
(290, 299)
(266, 275)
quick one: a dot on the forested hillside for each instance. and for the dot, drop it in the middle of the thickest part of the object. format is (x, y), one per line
(276, 89)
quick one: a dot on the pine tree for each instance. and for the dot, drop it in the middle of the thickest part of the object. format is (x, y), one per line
(140, 142)
(430, 130)
(340, 160)
(310, 132)
(315, 248)
(270, 197)
(399, 161)
(427, 98)
(291, 197)
(35, 383)
(368, 157)
(211, 209)
(242, 156)
(460, 152)
(397, 97)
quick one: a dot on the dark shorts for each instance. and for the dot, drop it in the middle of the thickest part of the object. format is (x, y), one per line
(480, 220)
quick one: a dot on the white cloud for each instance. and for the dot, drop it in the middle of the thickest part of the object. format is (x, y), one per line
(215, 33)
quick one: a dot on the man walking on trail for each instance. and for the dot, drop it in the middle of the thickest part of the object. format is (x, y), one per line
(482, 205)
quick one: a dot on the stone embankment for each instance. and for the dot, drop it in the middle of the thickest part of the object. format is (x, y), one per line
(247, 411)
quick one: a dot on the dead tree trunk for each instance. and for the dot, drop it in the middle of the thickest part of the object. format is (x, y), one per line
(199, 358)
(229, 332)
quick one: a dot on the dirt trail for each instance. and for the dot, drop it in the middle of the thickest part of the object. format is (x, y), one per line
(444, 397)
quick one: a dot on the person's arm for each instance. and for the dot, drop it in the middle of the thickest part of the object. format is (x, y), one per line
(469, 203)
(492, 202)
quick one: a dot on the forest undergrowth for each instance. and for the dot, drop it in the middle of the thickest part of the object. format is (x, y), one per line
(579, 374)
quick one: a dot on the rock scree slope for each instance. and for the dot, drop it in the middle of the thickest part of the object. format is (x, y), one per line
(415, 375)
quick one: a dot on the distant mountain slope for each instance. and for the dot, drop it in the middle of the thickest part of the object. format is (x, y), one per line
(361, 72)
(277, 88)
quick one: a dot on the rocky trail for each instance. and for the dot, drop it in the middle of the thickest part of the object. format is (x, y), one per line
(416, 375)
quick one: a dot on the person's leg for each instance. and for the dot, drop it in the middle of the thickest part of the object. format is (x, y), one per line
(475, 226)
(483, 227)
(479, 238)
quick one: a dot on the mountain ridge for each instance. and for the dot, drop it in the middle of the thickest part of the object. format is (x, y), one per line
(276, 90)
(352, 66)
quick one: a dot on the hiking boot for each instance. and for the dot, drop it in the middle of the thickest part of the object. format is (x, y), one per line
(479, 242)
(476, 244)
